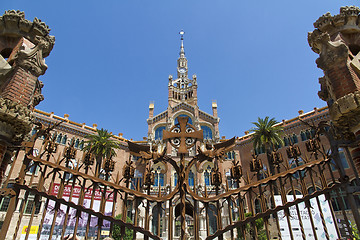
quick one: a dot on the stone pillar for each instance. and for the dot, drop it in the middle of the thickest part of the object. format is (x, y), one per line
(337, 41)
(23, 47)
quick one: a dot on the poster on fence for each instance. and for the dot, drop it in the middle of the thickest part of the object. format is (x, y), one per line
(83, 220)
(305, 217)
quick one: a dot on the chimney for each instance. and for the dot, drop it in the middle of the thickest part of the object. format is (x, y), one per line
(151, 109)
(214, 109)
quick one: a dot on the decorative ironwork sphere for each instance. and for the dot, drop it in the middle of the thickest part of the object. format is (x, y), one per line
(312, 145)
(293, 151)
(109, 165)
(129, 171)
(51, 147)
(276, 157)
(88, 159)
(69, 152)
(236, 172)
(216, 178)
(149, 178)
(256, 164)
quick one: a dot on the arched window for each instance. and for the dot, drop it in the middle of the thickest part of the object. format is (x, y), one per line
(286, 141)
(183, 115)
(303, 136)
(175, 179)
(263, 173)
(72, 165)
(257, 206)
(294, 138)
(159, 178)
(58, 138)
(207, 174)
(230, 155)
(5, 201)
(64, 139)
(191, 178)
(312, 131)
(311, 189)
(137, 179)
(293, 164)
(207, 132)
(232, 183)
(33, 131)
(338, 198)
(260, 150)
(297, 192)
(77, 142)
(343, 160)
(157, 210)
(30, 203)
(81, 145)
(212, 218)
(234, 210)
(159, 133)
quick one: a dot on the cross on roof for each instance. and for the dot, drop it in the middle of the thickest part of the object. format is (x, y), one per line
(183, 135)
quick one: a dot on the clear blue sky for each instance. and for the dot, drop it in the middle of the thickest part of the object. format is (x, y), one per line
(111, 58)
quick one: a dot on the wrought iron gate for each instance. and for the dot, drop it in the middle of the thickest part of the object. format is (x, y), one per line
(222, 209)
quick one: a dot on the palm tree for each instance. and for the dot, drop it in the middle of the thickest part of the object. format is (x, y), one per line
(102, 146)
(267, 132)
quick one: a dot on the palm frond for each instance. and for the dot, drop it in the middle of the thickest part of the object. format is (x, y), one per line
(266, 132)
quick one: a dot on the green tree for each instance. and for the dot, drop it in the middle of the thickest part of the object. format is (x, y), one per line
(259, 223)
(267, 132)
(116, 231)
(355, 230)
(102, 146)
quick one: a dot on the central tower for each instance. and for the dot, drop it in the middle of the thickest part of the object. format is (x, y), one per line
(182, 89)
(182, 102)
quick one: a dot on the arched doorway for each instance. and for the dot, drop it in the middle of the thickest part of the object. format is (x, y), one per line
(189, 219)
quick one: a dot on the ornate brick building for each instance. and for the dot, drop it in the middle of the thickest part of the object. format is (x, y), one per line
(25, 44)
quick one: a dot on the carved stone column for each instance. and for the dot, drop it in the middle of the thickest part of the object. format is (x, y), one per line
(23, 47)
(337, 41)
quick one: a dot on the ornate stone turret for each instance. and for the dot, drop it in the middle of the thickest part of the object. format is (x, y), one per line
(23, 47)
(337, 41)
(182, 89)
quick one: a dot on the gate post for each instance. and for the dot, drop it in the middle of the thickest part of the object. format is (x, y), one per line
(23, 47)
(335, 39)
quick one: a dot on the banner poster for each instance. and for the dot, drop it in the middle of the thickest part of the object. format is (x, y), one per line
(32, 232)
(305, 217)
(60, 215)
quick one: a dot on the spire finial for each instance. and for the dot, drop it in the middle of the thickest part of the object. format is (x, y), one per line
(182, 34)
(182, 52)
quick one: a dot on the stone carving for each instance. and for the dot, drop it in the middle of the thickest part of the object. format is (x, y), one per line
(345, 112)
(16, 120)
(324, 21)
(40, 27)
(5, 68)
(337, 40)
(345, 21)
(350, 11)
(324, 92)
(14, 13)
(32, 59)
(14, 24)
(331, 52)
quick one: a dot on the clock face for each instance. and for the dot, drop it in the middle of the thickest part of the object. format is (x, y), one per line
(182, 70)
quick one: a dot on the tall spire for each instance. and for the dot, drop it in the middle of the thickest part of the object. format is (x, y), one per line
(182, 89)
(182, 61)
(182, 51)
